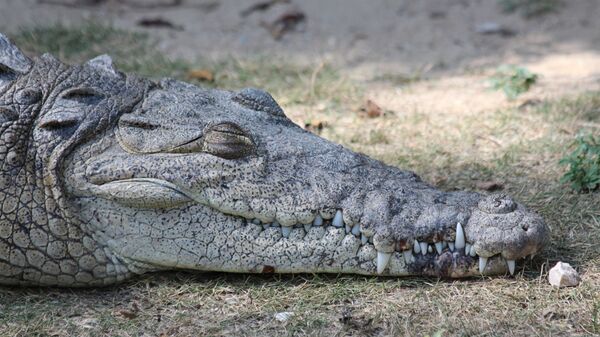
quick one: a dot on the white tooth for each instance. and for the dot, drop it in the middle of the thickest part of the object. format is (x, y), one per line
(256, 221)
(473, 253)
(356, 230)
(338, 221)
(265, 226)
(285, 231)
(451, 246)
(459, 242)
(439, 247)
(417, 247)
(482, 263)
(364, 239)
(532, 256)
(511, 266)
(318, 221)
(348, 229)
(307, 227)
(429, 249)
(423, 247)
(408, 256)
(371, 240)
(382, 261)
(275, 224)
(467, 248)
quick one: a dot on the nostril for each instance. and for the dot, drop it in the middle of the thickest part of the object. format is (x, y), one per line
(525, 227)
(497, 204)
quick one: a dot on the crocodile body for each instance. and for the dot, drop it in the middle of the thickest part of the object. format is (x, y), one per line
(106, 175)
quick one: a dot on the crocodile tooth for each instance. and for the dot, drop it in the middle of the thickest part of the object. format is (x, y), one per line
(363, 239)
(429, 249)
(511, 266)
(275, 224)
(416, 247)
(451, 246)
(473, 253)
(337, 219)
(356, 230)
(256, 221)
(423, 247)
(382, 261)
(285, 231)
(371, 240)
(318, 221)
(348, 229)
(265, 226)
(467, 248)
(408, 256)
(459, 242)
(439, 247)
(482, 263)
(307, 227)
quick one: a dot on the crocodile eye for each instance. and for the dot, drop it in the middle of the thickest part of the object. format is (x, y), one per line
(258, 100)
(82, 95)
(8, 115)
(68, 108)
(228, 141)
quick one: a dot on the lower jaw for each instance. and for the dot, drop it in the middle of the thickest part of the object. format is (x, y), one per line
(337, 252)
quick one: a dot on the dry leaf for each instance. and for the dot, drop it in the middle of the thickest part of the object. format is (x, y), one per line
(201, 75)
(370, 109)
(489, 186)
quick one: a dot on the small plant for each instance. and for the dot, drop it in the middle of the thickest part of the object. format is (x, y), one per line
(513, 80)
(529, 8)
(584, 164)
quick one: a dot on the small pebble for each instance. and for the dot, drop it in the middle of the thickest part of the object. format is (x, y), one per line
(283, 316)
(563, 275)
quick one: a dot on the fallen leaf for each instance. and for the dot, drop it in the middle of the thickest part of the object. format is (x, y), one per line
(158, 23)
(128, 314)
(370, 109)
(315, 125)
(201, 75)
(261, 6)
(489, 186)
(286, 22)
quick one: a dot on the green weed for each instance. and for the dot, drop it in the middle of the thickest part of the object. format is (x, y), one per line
(584, 164)
(513, 80)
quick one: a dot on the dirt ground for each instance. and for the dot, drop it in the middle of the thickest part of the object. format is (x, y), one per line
(367, 40)
(427, 65)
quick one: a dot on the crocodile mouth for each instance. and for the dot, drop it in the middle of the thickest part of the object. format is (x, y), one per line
(450, 254)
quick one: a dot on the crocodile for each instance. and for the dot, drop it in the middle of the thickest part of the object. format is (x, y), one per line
(107, 175)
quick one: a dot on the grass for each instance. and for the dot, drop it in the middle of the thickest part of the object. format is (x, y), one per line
(513, 80)
(135, 52)
(530, 8)
(520, 148)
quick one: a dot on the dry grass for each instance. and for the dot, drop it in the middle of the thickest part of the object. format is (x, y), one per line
(452, 149)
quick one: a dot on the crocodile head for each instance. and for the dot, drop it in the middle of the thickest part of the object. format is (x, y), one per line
(166, 175)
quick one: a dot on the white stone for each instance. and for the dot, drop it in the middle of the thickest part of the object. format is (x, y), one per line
(283, 316)
(563, 275)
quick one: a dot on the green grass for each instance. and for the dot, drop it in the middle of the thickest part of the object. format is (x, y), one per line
(530, 8)
(513, 80)
(520, 148)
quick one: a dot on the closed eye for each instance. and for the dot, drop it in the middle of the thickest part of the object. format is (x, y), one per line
(82, 95)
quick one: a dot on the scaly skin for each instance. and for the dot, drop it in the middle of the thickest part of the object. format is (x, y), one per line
(106, 175)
